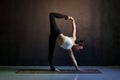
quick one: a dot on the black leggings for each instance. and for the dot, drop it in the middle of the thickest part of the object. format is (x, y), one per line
(54, 33)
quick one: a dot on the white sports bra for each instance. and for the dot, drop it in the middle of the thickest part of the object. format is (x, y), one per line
(67, 43)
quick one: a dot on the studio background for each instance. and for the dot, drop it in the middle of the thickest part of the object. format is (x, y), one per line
(24, 31)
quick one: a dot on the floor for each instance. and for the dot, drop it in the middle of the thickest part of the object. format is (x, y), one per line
(108, 73)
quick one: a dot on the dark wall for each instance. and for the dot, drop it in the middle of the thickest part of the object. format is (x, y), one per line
(24, 31)
(110, 32)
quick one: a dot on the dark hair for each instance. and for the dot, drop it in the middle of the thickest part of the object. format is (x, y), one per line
(80, 42)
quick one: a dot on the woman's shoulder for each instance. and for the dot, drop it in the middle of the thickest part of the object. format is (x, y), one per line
(64, 37)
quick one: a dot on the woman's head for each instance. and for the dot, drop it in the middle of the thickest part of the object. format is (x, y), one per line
(78, 45)
(80, 42)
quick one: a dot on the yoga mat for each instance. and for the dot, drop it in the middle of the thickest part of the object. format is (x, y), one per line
(45, 71)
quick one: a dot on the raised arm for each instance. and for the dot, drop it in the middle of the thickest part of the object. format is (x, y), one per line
(74, 27)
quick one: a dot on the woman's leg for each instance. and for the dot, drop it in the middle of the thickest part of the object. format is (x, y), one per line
(51, 51)
(54, 32)
(53, 25)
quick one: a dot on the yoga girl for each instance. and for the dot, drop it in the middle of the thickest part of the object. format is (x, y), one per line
(56, 37)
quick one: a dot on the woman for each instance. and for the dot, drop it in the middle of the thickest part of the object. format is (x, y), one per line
(56, 37)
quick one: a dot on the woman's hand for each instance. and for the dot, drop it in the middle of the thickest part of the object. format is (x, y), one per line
(71, 18)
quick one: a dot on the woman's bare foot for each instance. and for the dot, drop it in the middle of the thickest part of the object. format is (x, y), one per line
(57, 70)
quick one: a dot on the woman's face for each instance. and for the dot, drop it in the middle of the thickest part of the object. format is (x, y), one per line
(77, 47)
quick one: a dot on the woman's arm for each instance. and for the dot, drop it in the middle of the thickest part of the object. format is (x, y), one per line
(74, 27)
(73, 59)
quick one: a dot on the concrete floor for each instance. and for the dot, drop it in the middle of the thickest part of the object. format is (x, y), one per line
(108, 73)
